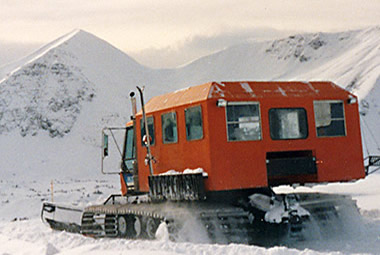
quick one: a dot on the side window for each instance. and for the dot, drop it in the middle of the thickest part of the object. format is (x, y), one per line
(129, 154)
(169, 127)
(329, 118)
(150, 121)
(288, 123)
(194, 125)
(243, 121)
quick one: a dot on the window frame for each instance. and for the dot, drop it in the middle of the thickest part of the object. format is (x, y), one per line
(344, 118)
(288, 108)
(229, 103)
(162, 127)
(186, 109)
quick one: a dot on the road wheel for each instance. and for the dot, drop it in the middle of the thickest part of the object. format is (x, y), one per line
(151, 227)
(137, 227)
(129, 226)
(122, 226)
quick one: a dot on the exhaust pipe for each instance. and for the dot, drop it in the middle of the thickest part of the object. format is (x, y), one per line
(149, 157)
(134, 105)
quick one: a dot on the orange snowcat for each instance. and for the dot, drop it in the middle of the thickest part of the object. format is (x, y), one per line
(209, 156)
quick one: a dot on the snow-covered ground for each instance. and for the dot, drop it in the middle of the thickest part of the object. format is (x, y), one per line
(54, 103)
(22, 232)
(39, 240)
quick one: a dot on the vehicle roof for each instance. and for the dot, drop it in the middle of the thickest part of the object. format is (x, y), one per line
(244, 90)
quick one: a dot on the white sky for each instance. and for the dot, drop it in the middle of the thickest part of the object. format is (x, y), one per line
(136, 25)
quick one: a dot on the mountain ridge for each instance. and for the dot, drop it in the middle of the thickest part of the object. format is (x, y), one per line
(80, 72)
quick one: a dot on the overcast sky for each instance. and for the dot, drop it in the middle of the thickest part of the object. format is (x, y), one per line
(164, 28)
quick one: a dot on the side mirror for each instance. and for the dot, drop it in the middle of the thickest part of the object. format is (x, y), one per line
(105, 145)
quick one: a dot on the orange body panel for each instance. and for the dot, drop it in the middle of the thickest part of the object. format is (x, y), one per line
(124, 189)
(242, 164)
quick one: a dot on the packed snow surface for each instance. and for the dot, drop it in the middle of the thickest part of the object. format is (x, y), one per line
(54, 103)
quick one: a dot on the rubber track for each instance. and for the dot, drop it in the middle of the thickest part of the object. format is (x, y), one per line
(223, 223)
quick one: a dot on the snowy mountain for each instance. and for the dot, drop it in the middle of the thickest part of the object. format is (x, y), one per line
(350, 59)
(49, 89)
(54, 102)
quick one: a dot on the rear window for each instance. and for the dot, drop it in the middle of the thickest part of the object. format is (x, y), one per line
(329, 118)
(288, 123)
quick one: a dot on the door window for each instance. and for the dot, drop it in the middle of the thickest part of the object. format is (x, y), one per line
(130, 150)
(150, 121)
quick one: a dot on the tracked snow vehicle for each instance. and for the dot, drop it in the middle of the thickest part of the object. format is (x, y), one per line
(210, 155)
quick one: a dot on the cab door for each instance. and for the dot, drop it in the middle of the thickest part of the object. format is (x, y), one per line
(129, 168)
